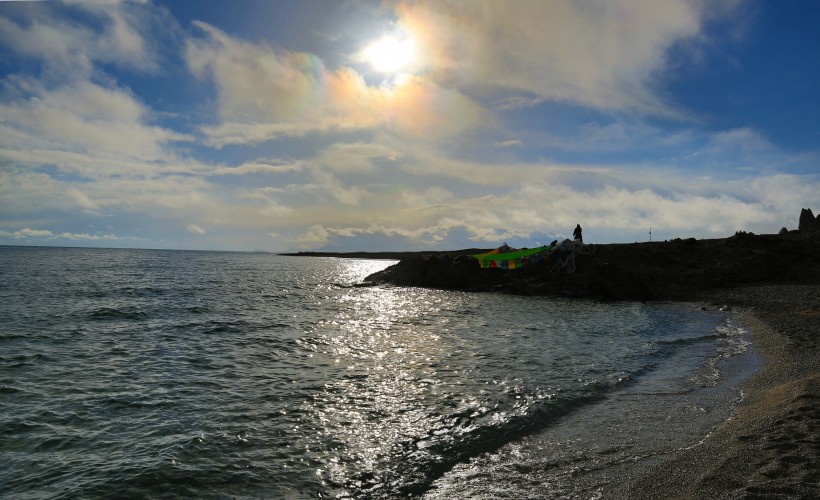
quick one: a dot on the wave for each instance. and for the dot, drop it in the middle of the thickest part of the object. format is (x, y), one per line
(465, 434)
(24, 360)
(113, 313)
(727, 330)
(148, 291)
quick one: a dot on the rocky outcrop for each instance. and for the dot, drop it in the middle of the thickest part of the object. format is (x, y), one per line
(808, 222)
(669, 270)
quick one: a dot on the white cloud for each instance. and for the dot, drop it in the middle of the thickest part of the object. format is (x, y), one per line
(511, 143)
(743, 139)
(605, 55)
(357, 161)
(70, 49)
(623, 207)
(266, 93)
(260, 166)
(28, 232)
(80, 118)
(357, 157)
(44, 234)
(82, 200)
(88, 237)
(431, 196)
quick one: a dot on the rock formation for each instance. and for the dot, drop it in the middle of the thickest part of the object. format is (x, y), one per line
(677, 269)
(808, 222)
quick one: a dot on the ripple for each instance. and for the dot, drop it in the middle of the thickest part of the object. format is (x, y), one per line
(204, 374)
(109, 313)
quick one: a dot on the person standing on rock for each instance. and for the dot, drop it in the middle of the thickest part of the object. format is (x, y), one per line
(577, 233)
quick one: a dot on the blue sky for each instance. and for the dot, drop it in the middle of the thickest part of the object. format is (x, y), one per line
(356, 125)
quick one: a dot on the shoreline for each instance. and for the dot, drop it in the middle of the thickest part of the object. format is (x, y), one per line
(770, 447)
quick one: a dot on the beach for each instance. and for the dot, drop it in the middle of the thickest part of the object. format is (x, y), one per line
(248, 375)
(770, 447)
(392, 390)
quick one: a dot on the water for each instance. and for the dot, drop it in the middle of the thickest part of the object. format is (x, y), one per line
(165, 374)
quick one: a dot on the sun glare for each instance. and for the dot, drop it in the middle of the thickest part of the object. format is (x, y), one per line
(390, 54)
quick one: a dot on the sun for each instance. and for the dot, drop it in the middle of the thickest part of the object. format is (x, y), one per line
(391, 54)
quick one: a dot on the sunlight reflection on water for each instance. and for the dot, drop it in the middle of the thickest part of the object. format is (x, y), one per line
(354, 271)
(418, 380)
(390, 358)
(257, 375)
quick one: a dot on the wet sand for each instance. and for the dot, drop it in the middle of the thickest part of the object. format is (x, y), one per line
(771, 446)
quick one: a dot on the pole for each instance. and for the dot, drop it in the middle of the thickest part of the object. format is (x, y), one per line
(650, 234)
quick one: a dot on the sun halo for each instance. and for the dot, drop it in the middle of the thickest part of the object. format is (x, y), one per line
(391, 54)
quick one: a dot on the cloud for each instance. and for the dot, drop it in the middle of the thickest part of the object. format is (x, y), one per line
(195, 228)
(96, 32)
(82, 118)
(44, 234)
(603, 55)
(426, 159)
(422, 108)
(256, 82)
(517, 102)
(82, 200)
(322, 206)
(620, 135)
(265, 94)
(435, 166)
(521, 201)
(320, 235)
(744, 139)
(357, 157)
(27, 232)
(260, 166)
(511, 143)
(89, 237)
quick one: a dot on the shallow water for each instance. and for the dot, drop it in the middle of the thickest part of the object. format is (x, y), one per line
(206, 374)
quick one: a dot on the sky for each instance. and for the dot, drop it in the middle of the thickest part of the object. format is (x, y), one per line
(354, 125)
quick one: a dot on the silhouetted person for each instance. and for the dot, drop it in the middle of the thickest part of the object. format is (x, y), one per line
(577, 233)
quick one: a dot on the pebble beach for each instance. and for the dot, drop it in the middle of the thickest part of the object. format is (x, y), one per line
(770, 448)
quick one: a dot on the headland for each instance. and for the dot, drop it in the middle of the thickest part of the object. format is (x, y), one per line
(771, 446)
(678, 269)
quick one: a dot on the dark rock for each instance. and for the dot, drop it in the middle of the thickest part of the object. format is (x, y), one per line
(615, 282)
(808, 222)
(675, 270)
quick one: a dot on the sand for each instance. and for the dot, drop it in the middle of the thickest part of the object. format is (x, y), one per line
(770, 447)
